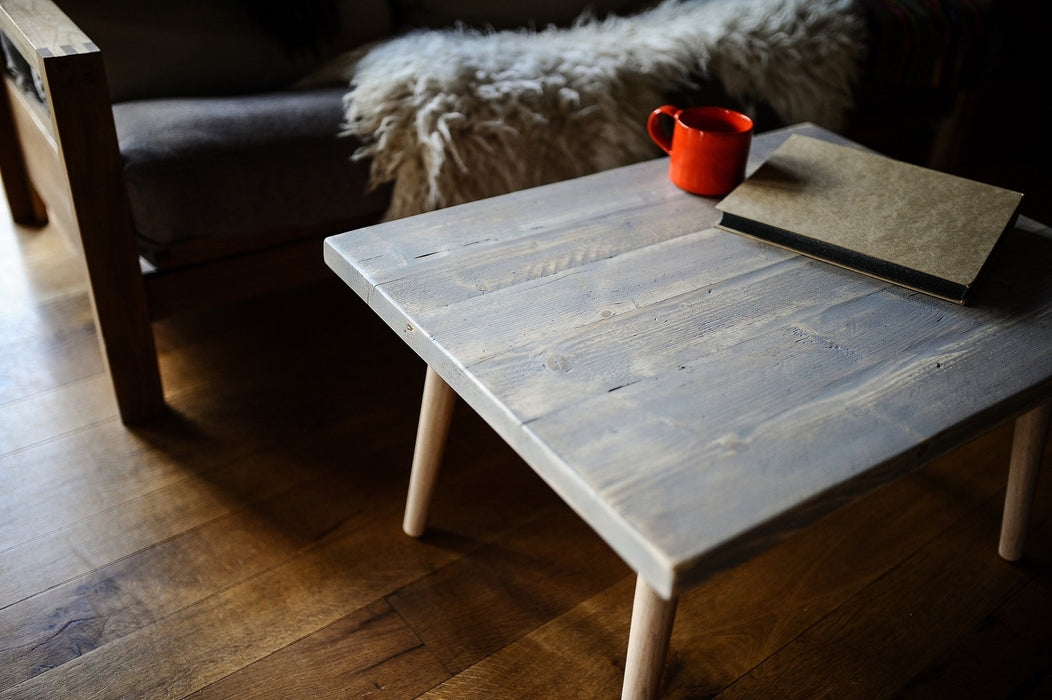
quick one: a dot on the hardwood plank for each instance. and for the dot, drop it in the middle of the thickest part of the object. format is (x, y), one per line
(234, 279)
(72, 477)
(43, 416)
(47, 346)
(1003, 655)
(802, 581)
(257, 481)
(173, 574)
(236, 626)
(102, 480)
(257, 521)
(232, 401)
(63, 623)
(864, 656)
(579, 654)
(292, 333)
(92, 481)
(36, 266)
(476, 606)
(367, 653)
(365, 557)
(61, 481)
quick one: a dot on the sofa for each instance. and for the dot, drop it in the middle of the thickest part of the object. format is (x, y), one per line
(196, 152)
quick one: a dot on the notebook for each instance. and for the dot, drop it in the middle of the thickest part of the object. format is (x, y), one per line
(898, 222)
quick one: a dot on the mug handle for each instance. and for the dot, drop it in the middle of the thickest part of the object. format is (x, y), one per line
(653, 128)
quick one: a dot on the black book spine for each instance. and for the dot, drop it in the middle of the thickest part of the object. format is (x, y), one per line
(883, 269)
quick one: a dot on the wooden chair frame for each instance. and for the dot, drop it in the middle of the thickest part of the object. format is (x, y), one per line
(60, 161)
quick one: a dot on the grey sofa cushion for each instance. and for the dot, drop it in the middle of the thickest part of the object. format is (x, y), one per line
(229, 173)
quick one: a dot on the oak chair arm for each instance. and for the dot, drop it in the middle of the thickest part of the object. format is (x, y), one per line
(59, 53)
(72, 159)
(40, 31)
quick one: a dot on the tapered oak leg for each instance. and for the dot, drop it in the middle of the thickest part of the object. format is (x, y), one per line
(652, 618)
(436, 411)
(1028, 446)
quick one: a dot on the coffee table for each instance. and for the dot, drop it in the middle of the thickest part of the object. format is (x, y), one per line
(696, 396)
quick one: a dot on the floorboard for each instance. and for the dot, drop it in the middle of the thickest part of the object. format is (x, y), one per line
(933, 598)
(367, 653)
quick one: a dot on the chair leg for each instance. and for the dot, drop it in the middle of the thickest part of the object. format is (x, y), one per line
(648, 639)
(1028, 447)
(436, 412)
(118, 296)
(82, 120)
(131, 359)
(22, 199)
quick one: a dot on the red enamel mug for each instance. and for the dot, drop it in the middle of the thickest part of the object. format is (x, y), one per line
(708, 148)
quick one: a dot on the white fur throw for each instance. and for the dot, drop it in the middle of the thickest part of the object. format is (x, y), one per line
(451, 116)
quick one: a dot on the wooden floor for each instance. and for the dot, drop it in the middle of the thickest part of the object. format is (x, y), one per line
(249, 544)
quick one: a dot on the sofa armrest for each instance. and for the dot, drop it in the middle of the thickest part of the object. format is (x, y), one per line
(39, 29)
(60, 56)
(69, 149)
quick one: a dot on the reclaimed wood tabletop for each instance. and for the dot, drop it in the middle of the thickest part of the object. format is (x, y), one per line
(695, 395)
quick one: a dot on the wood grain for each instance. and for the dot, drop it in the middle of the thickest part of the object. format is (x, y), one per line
(694, 395)
(922, 622)
(236, 626)
(83, 117)
(36, 358)
(1006, 651)
(578, 654)
(455, 610)
(71, 407)
(370, 652)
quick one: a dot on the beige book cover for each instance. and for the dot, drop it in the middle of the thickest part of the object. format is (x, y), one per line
(902, 223)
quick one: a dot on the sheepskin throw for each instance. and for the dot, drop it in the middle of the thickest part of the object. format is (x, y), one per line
(450, 116)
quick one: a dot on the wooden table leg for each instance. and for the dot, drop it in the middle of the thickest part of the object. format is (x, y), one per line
(648, 638)
(1028, 447)
(436, 412)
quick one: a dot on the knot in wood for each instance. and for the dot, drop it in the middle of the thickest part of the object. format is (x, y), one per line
(557, 363)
